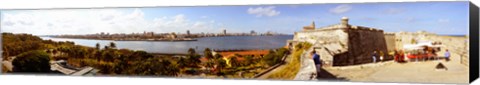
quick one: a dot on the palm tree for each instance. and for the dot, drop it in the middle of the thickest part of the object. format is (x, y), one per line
(191, 51)
(217, 56)
(112, 45)
(220, 64)
(97, 46)
(234, 61)
(208, 53)
(106, 48)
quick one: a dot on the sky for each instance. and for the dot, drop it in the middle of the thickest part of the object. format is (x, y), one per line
(449, 18)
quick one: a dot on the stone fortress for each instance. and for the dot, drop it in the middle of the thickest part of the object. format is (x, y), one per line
(343, 44)
(346, 51)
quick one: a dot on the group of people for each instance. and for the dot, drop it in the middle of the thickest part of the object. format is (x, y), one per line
(376, 55)
(400, 55)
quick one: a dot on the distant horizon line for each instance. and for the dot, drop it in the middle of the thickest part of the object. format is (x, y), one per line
(221, 33)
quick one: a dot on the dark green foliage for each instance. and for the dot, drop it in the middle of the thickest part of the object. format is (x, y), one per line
(248, 61)
(221, 63)
(14, 44)
(113, 45)
(274, 57)
(234, 62)
(97, 46)
(32, 62)
(217, 56)
(34, 57)
(208, 53)
(191, 51)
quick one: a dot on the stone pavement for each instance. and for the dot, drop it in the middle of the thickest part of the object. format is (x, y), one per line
(307, 70)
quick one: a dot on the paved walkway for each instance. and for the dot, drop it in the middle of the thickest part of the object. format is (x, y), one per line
(415, 72)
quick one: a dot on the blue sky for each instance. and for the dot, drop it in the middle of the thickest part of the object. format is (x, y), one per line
(437, 17)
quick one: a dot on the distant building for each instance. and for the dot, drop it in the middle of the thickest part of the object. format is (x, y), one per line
(253, 32)
(188, 32)
(224, 31)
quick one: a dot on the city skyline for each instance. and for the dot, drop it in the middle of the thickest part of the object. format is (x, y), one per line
(436, 17)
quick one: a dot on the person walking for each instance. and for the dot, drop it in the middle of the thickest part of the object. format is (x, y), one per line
(447, 55)
(316, 60)
(374, 56)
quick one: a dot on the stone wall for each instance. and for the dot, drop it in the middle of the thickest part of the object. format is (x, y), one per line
(326, 42)
(345, 46)
(362, 43)
(457, 45)
(322, 36)
(390, 40)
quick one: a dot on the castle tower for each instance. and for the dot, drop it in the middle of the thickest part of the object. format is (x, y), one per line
(311, 27)
(344, 21)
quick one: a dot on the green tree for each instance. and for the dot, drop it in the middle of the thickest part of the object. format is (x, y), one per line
(234, 62)
(248, 60)
(106, 48)
(182, 62)
(193, 58)
(191, 51)
(270, 59)
(217, 56)
(113, 45)
(32, 62)
(97, 46)
(210, 63)
(220, 64)
(208, 53)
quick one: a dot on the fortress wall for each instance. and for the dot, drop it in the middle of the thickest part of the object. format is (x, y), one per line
(390, 40)
(322, 36)
(326, 42)
(362, 43)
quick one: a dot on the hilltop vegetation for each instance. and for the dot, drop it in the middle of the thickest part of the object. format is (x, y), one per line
(32, 61)
(14, 44)
(34, 54)
(30, 50)
(292, 68)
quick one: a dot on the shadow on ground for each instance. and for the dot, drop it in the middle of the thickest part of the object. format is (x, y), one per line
(325, 75)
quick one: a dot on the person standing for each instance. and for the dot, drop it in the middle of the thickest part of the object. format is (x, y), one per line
(316, 60)
(381, 56)
(374, 56)
(447, 55)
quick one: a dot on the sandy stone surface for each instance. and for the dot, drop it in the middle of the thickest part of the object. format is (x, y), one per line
(412, 72)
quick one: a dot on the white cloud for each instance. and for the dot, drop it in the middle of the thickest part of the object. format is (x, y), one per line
(411, 19)
(88, 21)
(263, 11)
(443, 20)
(341, 9)
(393, 11)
